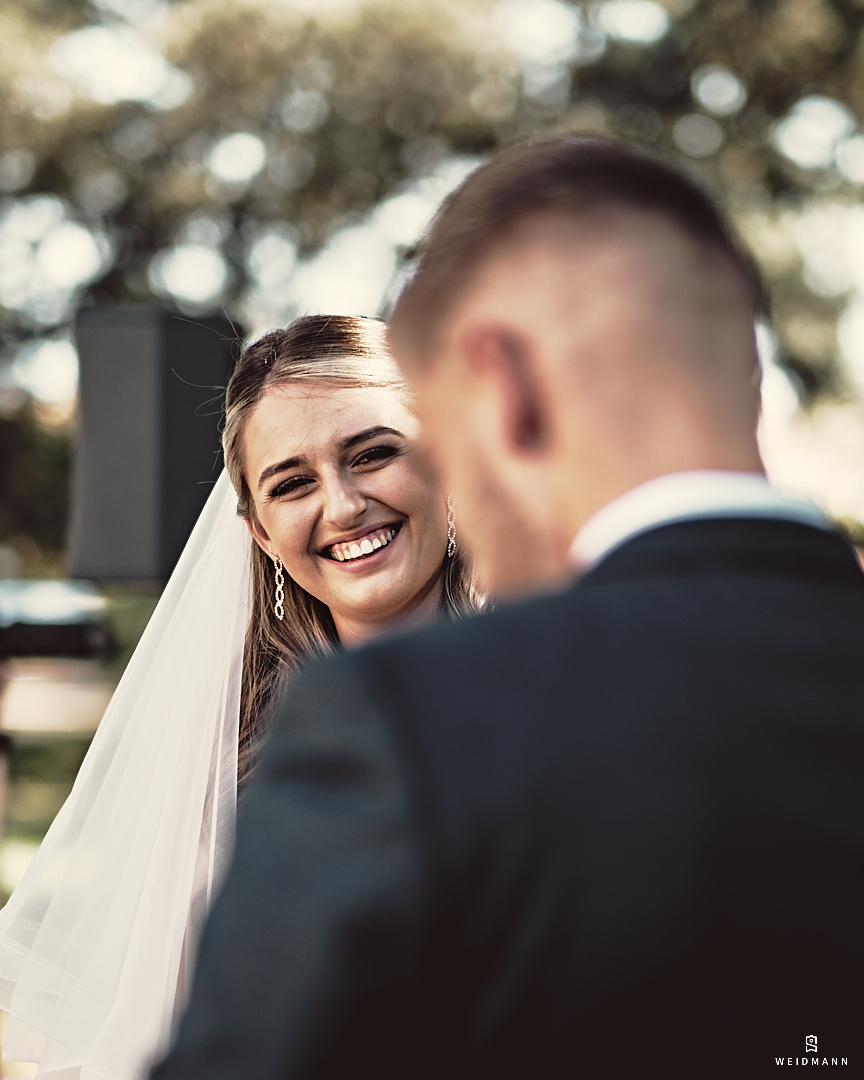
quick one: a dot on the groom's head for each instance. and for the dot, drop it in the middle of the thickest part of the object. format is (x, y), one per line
(580, 321)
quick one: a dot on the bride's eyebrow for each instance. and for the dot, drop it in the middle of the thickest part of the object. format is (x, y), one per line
(280, 466)
(344, 444)
(369, 433)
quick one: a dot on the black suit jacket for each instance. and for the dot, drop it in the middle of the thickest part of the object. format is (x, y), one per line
(616, 832)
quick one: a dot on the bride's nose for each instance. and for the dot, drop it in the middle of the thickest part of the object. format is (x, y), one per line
(344, 503)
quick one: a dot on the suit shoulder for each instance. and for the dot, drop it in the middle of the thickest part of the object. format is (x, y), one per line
(439, 649)
(514, 619)
(429, 662)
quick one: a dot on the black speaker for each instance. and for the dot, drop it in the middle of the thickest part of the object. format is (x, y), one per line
(148, 451)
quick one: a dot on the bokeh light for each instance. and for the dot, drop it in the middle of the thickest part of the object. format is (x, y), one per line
(539, 31)
(48, 370)
(780, 399)
(354, 272)
(45, 257)
(16, 170)
(272, 257)
(348, 276)
(697, 135)
(850, 158)
(635, 22)
(812, 131)
(114, 63)
(304, 110)
(68, 254)
(192, 274)
(237, 158)
(718, 90)
(850, 335)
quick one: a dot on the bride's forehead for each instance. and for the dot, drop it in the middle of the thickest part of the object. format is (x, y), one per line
(294, 413)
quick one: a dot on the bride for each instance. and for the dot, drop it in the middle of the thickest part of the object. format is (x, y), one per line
(325, 529)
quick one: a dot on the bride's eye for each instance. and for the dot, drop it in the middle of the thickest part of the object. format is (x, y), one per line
(375, 455)
(293, 485)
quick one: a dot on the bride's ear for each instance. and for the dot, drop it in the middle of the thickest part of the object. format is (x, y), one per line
(259, 535)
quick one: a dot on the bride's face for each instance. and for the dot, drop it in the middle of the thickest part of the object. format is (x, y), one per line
(347, 502)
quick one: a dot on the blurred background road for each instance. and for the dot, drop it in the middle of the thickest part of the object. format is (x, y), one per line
(260, 159)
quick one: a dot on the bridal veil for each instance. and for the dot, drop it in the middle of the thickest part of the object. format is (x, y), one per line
(95, 940)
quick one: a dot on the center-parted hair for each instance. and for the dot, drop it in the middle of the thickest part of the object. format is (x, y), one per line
(572, 177)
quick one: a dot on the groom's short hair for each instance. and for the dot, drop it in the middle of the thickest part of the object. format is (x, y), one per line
(572, 177)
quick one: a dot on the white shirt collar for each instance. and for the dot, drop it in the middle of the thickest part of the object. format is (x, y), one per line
(682, 497)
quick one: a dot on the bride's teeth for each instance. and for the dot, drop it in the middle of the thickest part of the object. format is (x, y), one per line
(354, 550)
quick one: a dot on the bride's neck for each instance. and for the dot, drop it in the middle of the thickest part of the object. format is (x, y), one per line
(354, 632)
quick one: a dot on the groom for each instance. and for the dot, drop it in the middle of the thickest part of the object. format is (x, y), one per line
(616, 830)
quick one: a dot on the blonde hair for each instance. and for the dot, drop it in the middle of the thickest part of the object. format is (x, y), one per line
(339, 351)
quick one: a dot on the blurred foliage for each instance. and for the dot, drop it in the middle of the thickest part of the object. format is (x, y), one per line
(42, 771)
(42, 756)
(129, 611)
(34, 484)
(354, 105)
(852, 530)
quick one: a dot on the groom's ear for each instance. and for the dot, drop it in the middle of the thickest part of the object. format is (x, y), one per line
(501, 359)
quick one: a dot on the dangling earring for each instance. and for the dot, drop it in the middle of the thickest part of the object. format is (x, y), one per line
(451, 528)
(279, 606)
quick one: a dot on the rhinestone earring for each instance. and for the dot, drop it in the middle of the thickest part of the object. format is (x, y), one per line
(451, 528)
(279, 606)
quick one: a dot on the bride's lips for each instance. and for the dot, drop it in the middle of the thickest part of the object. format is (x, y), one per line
(364, 548)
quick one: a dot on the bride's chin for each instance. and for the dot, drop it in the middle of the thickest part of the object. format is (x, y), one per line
(379, 599)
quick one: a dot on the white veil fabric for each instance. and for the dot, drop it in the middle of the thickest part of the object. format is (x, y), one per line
(97, 938)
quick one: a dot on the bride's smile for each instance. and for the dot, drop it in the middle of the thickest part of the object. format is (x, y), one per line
(345, 500)
(362, 544)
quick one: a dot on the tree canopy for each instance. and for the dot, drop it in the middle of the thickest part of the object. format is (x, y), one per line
(236, 154)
